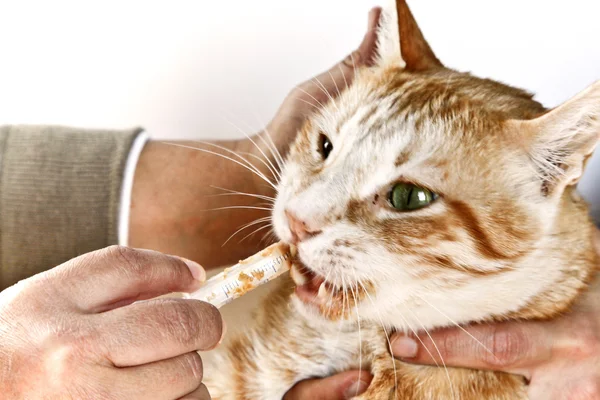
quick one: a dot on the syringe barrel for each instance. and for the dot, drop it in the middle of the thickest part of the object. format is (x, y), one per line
(246, 275)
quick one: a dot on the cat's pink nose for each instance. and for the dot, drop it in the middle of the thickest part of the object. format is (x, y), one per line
(300, 229)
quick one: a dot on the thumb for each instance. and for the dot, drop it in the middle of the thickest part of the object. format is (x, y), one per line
(345, 385)
(510, 347)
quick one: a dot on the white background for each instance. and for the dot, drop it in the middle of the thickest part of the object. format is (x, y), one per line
(185, 69)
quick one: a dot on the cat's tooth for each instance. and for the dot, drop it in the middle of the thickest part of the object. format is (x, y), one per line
(297, 276)
(293, 250)
(322, 291)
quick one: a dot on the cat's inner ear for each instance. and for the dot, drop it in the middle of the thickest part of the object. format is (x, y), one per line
(561, 141)
(415, 50)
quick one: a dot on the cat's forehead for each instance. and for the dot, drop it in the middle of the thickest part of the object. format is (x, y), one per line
(394, 108)
(421, 122)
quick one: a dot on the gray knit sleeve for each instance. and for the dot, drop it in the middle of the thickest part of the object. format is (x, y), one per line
(59, 195)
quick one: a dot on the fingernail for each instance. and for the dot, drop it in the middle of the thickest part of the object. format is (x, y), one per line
(404, 347)
(356, 388)
(197, 271)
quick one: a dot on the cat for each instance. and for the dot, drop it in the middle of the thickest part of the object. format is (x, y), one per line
(421, 198)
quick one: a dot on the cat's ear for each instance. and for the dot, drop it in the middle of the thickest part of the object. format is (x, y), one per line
(400, 40)
(561, 141)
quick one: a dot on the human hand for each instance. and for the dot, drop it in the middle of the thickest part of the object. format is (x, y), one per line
(559, 358)
(311, 95)
(175, 182)
(74, 331)
(345, 385)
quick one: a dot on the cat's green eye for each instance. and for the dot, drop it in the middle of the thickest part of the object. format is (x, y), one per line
(408, 197)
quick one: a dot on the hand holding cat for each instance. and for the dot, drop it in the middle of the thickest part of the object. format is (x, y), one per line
(75, 331)
(172, 185)
(560, 358)
(306, 97)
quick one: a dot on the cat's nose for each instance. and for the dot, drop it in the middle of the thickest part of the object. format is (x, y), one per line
(300, 229)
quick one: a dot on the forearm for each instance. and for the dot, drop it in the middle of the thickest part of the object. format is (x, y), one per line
(174, 196)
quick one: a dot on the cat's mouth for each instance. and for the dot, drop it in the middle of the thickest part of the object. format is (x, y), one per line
(312, 288)
(334, 302)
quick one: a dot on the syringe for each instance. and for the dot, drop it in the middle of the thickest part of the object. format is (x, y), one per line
(246, 275)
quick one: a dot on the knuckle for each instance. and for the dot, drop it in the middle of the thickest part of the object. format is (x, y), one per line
(129, 258)
(193, 364)
(64, 362)
(183, 322)
(143, 267)
(349, 60)
(587, 342)
(506, 345)
(450, 345)
(296, 93)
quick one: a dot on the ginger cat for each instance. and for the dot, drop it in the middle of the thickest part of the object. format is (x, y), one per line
(421, 198)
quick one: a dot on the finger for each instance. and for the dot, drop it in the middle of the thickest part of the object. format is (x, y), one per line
(337, 78)
(116, 276)
(166, 379)
(199, 394)
(338, 387)
(510, 347)
(159, 329)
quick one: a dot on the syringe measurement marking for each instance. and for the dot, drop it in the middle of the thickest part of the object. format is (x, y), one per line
(231, 286)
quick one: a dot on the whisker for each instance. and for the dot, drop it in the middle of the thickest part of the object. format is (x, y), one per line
(238, 155)
(337, 89)
(436, 349)
(343, 75)
(272, 167)
(269, 143)
(324, 90)
(309, 103)
(246, 226)
(271, 146)
(239, 207)
(312, 97)
(354, 67)
(269, 236)
(387, 336)
(419, 339)
(460, 327)
(322, 109)
(274, 150)
(235, 192)
(242, 194)
(249, 168)
(253, 232)
(337, 340)
(359, 333)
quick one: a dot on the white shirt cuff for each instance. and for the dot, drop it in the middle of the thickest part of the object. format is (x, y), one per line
(127, 187)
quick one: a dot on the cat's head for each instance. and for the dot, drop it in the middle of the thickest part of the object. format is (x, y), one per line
(424, 196)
